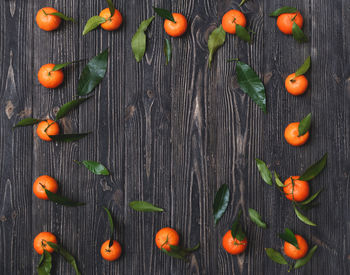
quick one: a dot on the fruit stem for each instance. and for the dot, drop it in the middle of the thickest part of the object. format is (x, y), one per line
(44, 12)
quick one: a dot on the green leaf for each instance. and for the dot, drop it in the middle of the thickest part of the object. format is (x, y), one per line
(144, 206)
(94, 167)
(304, 68)
(179, 252)
(111, 226)
(138, 42)
(93, 73)
(63, 65)
(283, 10)
(310, 199)
(93, 23)
(275, 256)
(242, 33)
(303, 218)
(62, 200)
(45, 264)
(216, 40)
(221, 200)
(68, 257)
(62, 16)
(69, 106)
(314, 169)
(111, 7)
(240, 233)
(304, 125)
(166, 14)
(278, 181)
(298, 34)
(289, 237)
(264, 171)
(29, 121)
(242, 3)
(68, 137)
(306, 259)
(250, 83)
(167, 50)
(256, 218)
(236, 225)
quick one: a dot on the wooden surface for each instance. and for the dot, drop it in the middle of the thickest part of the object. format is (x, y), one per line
(171, 135)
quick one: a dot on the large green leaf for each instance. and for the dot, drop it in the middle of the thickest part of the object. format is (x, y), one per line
(166, 14)
(289, 237)
(93, 23)
(264, 171)
(275, 256)
(242, 33)
(29, 121)
(221, 200)
(304, 68)
(304, 125)
(69, 106)
(306, 259)
(62, 200)
(298, 34)
(314, 169)
(138, 42)
(303, 218)
(256, 218)
(94, 167)
(66, 255)
(216, 39)
(144, 206)
(45, 264)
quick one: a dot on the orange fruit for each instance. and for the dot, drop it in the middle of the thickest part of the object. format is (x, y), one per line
(47, 128)
(111, 253)
(50, 79)
(178, 28)
(292, 252)
(42, 183)
(231, 18)
(113, 22)
(40, 242)
(46, 21)
(299, 191)
(285, 21)
(291, 134)
(296, 85)
(167, 236)
(232, 245)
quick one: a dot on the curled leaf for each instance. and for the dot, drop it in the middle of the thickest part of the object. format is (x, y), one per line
(289, 237)
(314, 169)
(29, 121)
(221, 200)
(303, 218)
(256, 218)
(62, 200)
(69, 106)
(304, 68)
(264, 171)
(138, 42)
(283, 10)
(62, 16)
(275, 256)
(216, 40)
(167, 51)
(166, 14)
(306, 259)
(66, 255)
(144, 206)
(111, 226)
(93, 23)
(45, 264)
(68, 137)
(95, 167)
(304, 125)
(242, 33)
(298, 34)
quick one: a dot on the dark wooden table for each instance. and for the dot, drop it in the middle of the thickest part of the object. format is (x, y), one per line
(172, 135)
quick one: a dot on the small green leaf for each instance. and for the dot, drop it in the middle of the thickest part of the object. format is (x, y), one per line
(275, 256)
(236, 226)
(167, 50)
(298, 34)
(63, 65)
(216, 40)
(111, 226)
(264, 171)
(45, 264)
(166, 14)
(256, 218)
(278, 181)
(306, 259)
(93, 73)
(304, 125)
(250, 83)
(242, 3)
(303, 218)
(29, 121)
(111, 7)
(94, 167)
(68, 137)
(314, 169)
(283, 10)
(93, 23)
(144, 206)
(242, 33)
(179, 252)
(69, 106)
(62, 16)
(138, 42)
(221, 200)
(62, 200)
(66, 255)
(289, 237)
(310, 199)
(304, 68)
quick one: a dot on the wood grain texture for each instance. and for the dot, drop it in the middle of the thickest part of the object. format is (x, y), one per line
(172, 135)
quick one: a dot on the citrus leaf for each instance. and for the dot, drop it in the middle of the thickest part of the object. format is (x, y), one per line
(283, 10)
(93, 23)
(298, 34)
(66, 255)
(45, 264)
(62, 200)
(144, 206)
(196, 247)
(312, 198)
(138, 42)
(304, 68)
(111, 7)
(303, 218)
(240, 233)
(314, 169)
(29, 121)
(256, 218)
(275, 256)
(69, 106)
(221, 200)
(289, 237)
(166, 14)
(62, 16)
(242, 33)
(216, 40)
(167, 51)
(68, 137)
(306, 259)
(242, 3)
(236, 224)
(179, 252)
(264, 171)
(250, 83)
(63, 65)
(278, 181)
(93, 73)
(111, 226)
(94, 167)
(304, 125)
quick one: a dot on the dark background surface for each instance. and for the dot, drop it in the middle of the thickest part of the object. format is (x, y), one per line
(171, 135)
